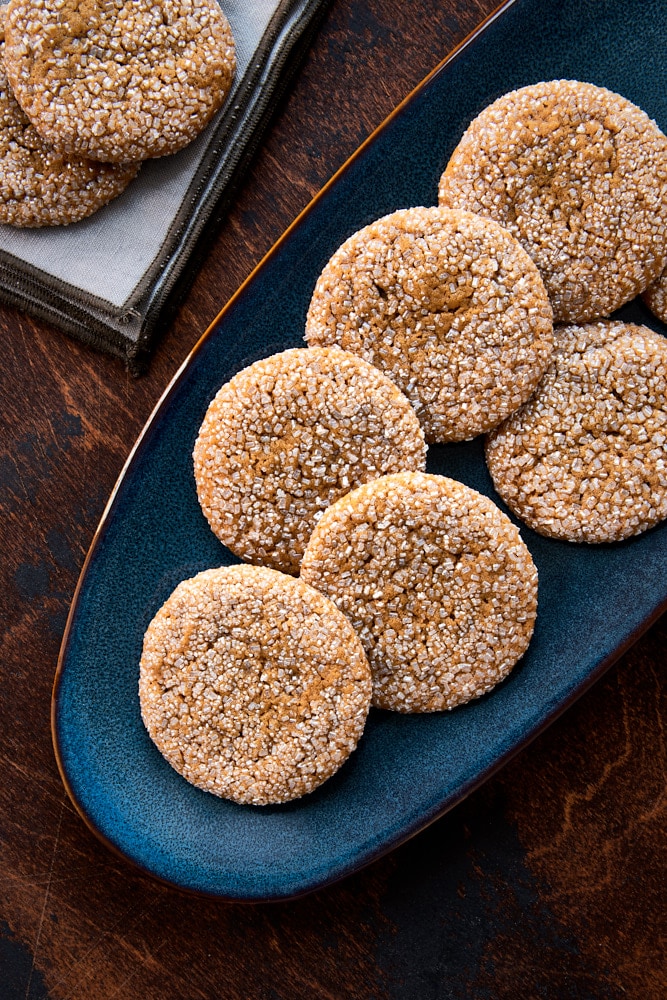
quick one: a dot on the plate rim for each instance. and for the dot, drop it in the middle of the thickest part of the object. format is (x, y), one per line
(425, 820)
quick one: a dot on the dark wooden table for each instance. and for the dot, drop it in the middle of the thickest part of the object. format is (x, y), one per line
(547, 882)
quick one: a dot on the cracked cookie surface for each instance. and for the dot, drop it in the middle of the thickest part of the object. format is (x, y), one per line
(286, 437)
(119, 80)
(40, 187)
(586, 458)
(253, 685)
(435, 580)
(449, 306)
(578, 175)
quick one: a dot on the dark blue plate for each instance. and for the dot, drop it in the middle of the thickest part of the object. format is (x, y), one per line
(594, 601)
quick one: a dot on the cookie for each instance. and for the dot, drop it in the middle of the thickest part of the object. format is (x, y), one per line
(655, 297)
(253, 685)
(449, 306)
(436, 582)
(288, 436)
(586, 458)
(578, 175)
(120, 80)
(39, 187)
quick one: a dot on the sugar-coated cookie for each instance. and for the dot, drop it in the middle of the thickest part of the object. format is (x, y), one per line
(578, 175)
(39, 187)
(435, 580)
(119, 80)
(253, 685)
(586, 458)
(288, 436)
(449, 306)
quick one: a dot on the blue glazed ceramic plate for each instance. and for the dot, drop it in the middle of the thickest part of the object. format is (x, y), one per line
(594, 601)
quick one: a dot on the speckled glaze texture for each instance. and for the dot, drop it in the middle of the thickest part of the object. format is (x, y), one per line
(594, 600)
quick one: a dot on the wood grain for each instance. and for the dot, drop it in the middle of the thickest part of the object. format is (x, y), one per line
(548, 882)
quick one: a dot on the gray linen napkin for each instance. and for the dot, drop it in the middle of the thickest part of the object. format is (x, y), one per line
(110, 278)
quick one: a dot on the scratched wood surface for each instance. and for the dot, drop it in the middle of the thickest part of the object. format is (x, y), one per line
(547, 882)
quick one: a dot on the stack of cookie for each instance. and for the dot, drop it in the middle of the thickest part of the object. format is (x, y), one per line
(89, 91)
(429, 325)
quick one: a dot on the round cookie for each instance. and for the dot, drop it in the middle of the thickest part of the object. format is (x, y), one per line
(39, 187)
(449, 306)
(288, 436)
(253, 685)
(121, 80)
(655, 297)
(578, 175)
(586, 458)
(436, 582)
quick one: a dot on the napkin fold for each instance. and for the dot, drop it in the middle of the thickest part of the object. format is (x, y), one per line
(113, 279)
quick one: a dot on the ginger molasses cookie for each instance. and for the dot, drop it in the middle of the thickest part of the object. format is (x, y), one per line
(288, 436)
(586, 458)
(655, 297)
(449, 306)
(436, 582)
(119, 80)
(39, 187)
(578, 175)
(253, 685)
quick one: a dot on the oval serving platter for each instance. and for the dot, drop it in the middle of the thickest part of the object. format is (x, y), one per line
(408, 770)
